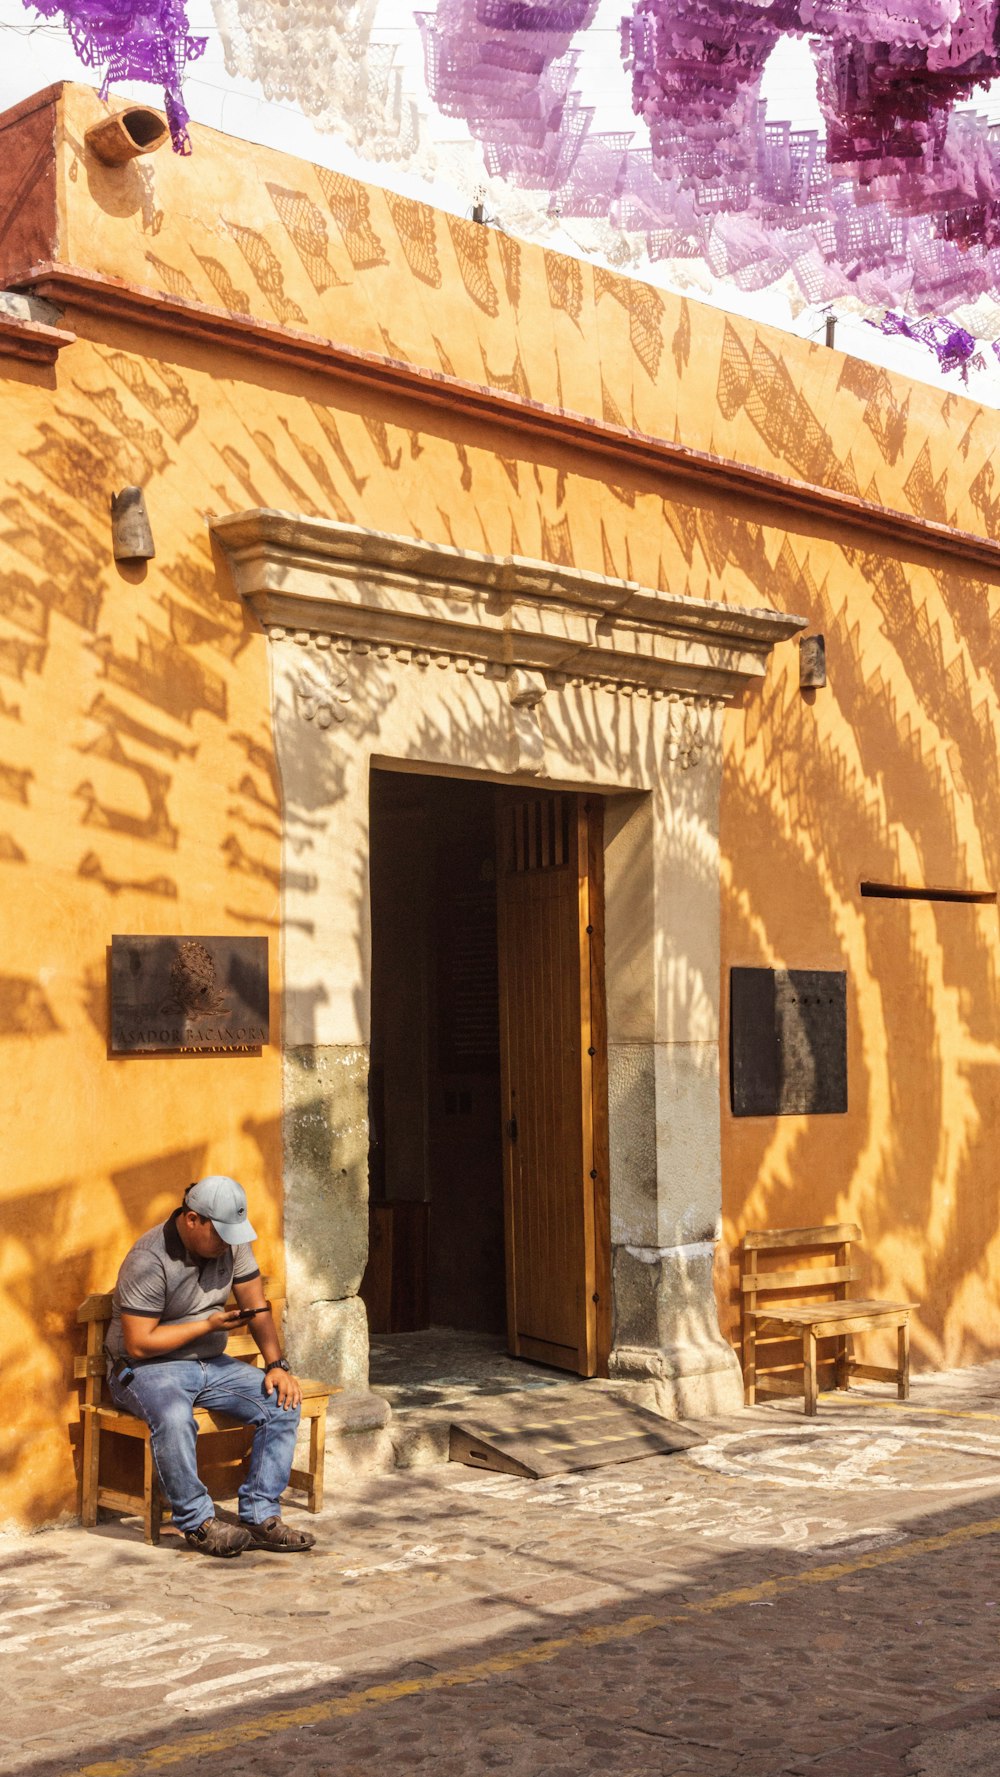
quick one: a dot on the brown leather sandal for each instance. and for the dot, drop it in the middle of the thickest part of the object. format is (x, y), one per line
(216, 1537)
(275, 1534)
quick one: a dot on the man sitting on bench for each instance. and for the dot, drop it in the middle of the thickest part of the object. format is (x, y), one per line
(166, 1355)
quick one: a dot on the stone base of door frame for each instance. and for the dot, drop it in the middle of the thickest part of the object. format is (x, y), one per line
(684, 1382)
(667, 1332)
(358, 1437)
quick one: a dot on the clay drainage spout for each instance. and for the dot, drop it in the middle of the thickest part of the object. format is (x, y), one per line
(126, 134)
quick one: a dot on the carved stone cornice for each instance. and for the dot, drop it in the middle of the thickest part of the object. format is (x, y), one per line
(323, 690)
(317, 576)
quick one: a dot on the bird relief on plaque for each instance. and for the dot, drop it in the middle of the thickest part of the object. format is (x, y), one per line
(188, 995)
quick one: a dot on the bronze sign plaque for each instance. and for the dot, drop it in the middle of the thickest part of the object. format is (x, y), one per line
(188, 995)
(787, 1041)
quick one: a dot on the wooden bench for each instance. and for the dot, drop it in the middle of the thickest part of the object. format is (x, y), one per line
(102, 1419)
(835, 1315)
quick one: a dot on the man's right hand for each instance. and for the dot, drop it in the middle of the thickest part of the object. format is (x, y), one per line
(226, 1321)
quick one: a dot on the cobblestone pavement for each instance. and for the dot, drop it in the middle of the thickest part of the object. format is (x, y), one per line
(791, 1597)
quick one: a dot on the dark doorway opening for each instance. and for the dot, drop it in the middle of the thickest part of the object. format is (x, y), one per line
(436, 1217)
(489, 1213)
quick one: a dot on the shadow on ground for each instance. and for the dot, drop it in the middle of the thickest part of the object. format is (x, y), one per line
(876, 1657)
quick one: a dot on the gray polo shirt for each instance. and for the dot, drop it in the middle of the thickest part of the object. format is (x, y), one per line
(160, 1280)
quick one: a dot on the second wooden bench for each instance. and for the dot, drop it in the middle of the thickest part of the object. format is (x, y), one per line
(777, 1305)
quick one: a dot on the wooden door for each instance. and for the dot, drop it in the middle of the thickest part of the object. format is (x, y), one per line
(553, 1078)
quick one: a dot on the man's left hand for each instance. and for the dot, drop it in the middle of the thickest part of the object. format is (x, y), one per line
(285, 1386)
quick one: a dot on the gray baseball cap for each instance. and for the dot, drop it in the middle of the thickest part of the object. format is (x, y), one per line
(224, 1202)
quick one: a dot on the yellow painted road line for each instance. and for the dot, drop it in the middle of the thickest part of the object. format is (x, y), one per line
(307, 1715)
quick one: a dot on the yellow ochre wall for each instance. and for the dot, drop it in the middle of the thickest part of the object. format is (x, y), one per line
(137, 794)
(137, 783)
(888, 775)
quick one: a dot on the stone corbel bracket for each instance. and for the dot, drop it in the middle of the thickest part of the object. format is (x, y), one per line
(320, 576)
(526, 690)
(28, 329)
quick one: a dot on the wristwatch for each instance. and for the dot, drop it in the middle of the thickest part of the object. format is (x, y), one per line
(278, 1363)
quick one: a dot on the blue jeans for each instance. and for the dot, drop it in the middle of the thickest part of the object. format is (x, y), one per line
(164, 1394)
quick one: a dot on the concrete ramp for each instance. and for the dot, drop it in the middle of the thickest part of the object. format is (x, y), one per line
(555, 1432)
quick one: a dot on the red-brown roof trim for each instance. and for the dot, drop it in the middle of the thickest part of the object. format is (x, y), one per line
(110, 298)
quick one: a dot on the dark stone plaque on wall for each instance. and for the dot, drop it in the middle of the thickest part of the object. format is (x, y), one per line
(787, 1041)
(188, 995)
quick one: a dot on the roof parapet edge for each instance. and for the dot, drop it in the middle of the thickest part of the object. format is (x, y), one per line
(110, 298)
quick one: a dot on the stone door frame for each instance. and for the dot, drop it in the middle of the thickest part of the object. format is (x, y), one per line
(389, 651)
